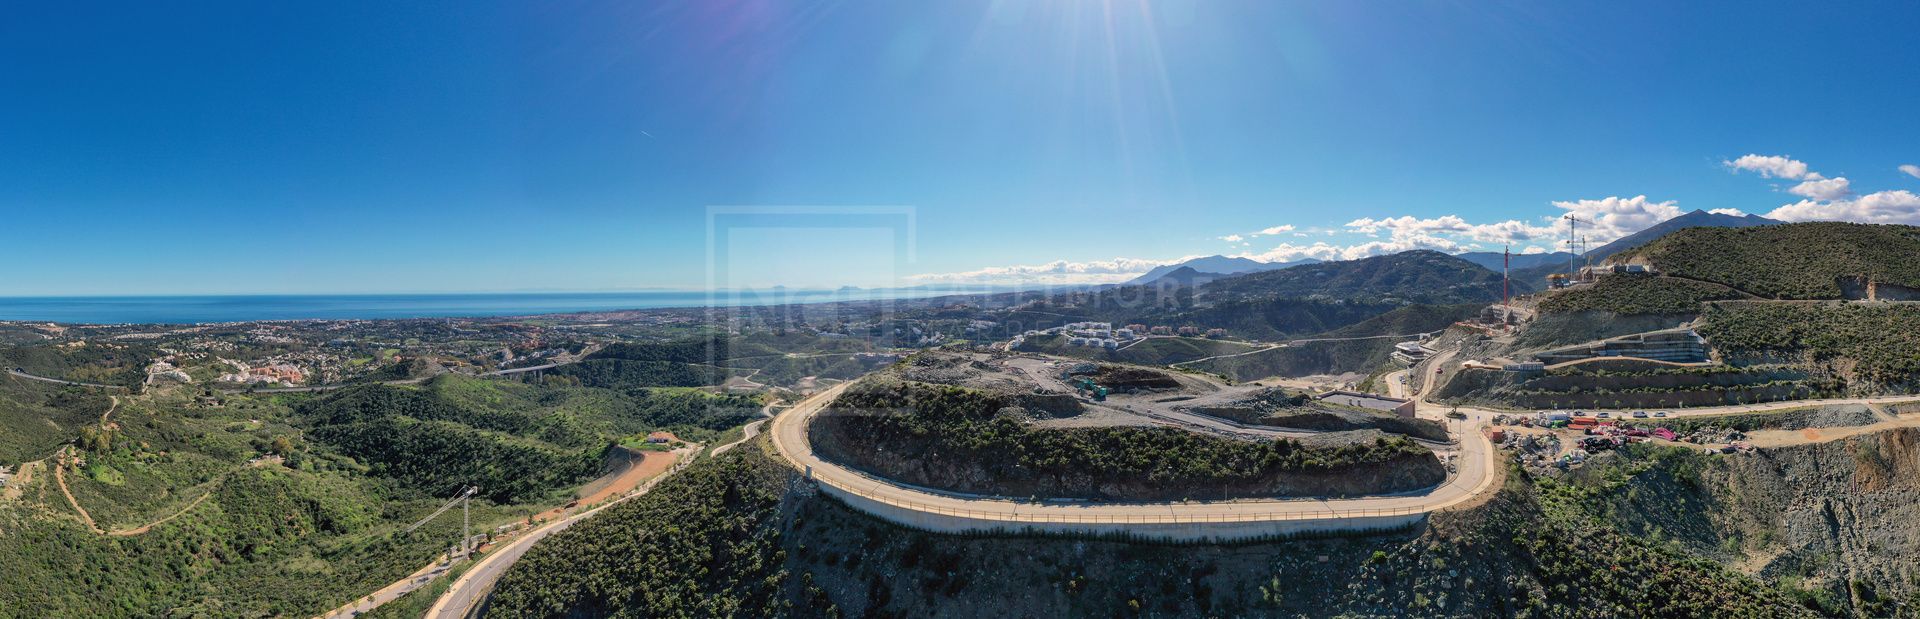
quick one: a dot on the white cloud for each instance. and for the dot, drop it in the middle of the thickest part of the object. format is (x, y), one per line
(1407, 227)
(1773, 166)
(1729, 211)
(1823, 189)
(1833, 199)
(1612, 218)
(1056, 272)
(1615, 217)
(1268, 231)
(1288, 251)
(1881, 207)
(1322, 250)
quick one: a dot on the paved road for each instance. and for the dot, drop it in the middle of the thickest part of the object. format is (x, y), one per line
(790, 437)
(17, 372)
(1238, 354)
(751, 430)
(1475, 475)
(531, 368)
(473, 587)
(392, 592)
(1396, 383)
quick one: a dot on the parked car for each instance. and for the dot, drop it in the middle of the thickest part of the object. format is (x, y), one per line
(1639, 414)
(1660, 413)
(1605, 415)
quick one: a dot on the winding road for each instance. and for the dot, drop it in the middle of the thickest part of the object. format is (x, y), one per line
(1476, 474)
(921, 506)
(473, 587)
(470, 591)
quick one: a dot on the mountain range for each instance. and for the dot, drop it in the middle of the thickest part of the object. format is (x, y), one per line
(1216, 266)
(1532, 268)
(1492, 259)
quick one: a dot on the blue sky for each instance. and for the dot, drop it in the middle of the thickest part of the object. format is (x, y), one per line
(255, 147)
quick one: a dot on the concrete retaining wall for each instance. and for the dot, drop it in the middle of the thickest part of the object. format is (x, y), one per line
(1197, 531)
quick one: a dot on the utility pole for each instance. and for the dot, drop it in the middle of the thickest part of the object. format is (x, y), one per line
(1506, 286)
(466, 534)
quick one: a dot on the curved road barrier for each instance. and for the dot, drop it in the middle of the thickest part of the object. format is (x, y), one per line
(1186, 520)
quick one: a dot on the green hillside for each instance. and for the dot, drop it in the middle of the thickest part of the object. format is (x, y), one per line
(741, 537)
(1877, 344)
(1417, 276)
(39, 417)
(1259, 317)
(1789, 261)
(290, 504)
(1150, 351)
(106, 364)
(514, 441)
(248, 537)
(1636, 294)
(1334, 357)
(1274, 318)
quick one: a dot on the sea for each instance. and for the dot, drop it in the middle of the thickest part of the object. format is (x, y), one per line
(238, 308)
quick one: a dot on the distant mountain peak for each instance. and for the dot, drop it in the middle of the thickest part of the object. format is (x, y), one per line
(1696, 218)
(1216, 265)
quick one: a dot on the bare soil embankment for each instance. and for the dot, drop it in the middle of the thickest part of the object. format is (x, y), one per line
(1281, 408)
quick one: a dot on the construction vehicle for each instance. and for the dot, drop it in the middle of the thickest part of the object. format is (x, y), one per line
(1093, 389)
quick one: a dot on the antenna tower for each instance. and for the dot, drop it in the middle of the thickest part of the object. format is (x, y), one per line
(1576, 245)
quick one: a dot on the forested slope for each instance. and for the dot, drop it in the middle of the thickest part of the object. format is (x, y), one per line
(1789, 261)
(1876, 346)
(745, 537)
(511, 440)
(1632, 294)
(1414, 276)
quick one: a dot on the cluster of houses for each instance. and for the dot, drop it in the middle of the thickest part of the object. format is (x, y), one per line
(1086, 334)
(1105, 335)
(160, 370)
(280, 373)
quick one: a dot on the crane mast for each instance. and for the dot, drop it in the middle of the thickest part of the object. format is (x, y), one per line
(466, 523)
(1577, 246)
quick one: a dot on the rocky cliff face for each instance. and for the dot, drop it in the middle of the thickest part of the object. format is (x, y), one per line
(1836, 522)
(1838, 513)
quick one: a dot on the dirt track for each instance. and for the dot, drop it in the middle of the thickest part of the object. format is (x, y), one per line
(651, 463)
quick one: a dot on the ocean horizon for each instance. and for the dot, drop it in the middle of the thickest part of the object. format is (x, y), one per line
(191, 309)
